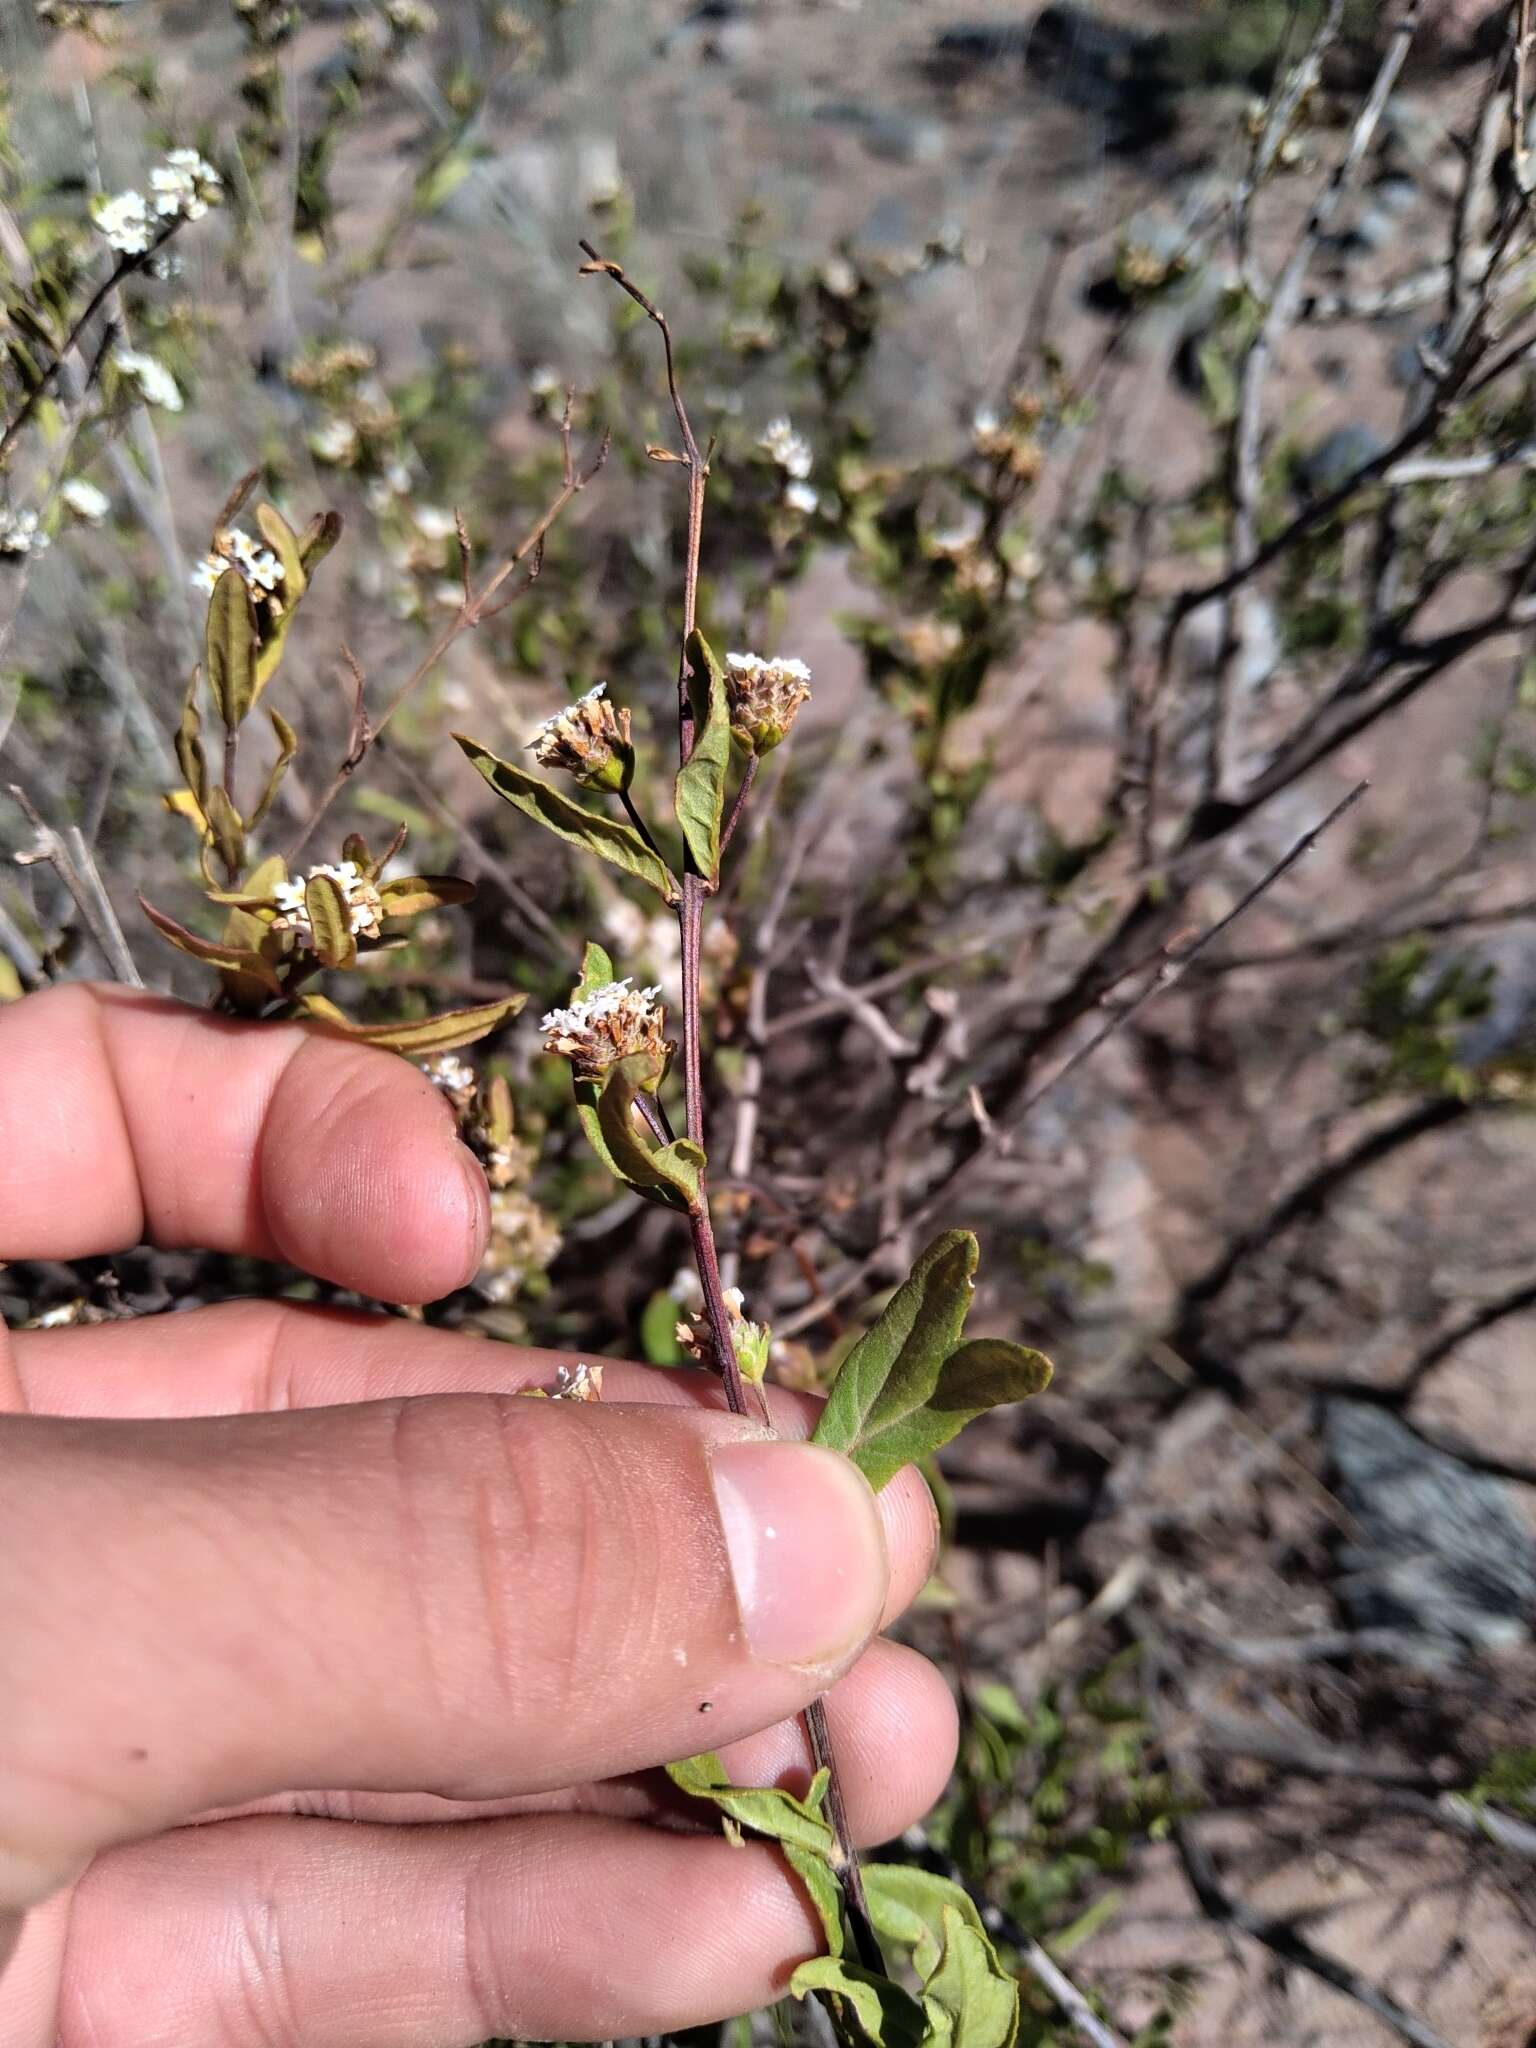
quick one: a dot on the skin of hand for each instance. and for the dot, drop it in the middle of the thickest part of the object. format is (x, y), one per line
(333, 1676)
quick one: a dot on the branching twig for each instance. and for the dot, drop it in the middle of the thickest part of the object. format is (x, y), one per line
(472, 612)
(1281, 1939)
(71, 860)
(996, 1135)
(1514, 1302)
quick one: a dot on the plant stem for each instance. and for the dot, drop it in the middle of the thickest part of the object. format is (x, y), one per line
(638, 822)
(690, 917)
(93, 306)
(728, 830)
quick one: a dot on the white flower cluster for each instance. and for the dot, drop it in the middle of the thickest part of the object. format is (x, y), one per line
(20, 533)
(451, 1073)
(125, 222)
(85, 500)
(335, 441)
(611, 1023)
(156, 384)
(750, 669)
(562, 720)
(786, 449)
(613, 999)
(364, 907)
(764, 697)
(258, 565)
(589, 739)
(182, 188)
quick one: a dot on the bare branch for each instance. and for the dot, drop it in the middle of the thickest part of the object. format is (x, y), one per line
(71, 860)
(1281, 1939)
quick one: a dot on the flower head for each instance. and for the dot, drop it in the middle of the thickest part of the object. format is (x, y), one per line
(453, 1074)
(786, 449)
(20, 533)
(764, 698)
(335, 441)
(85, 500)
(124, 222)
(184, 186)
(608, 1025)
(364, 906)
(590, 740)
(155, 383)
(751, 1341)
(234, 549)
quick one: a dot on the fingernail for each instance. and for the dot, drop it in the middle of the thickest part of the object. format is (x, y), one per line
(806, 1547)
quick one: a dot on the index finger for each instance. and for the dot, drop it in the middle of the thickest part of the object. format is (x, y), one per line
(129, 1116)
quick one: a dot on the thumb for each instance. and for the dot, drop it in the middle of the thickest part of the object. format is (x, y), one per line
(476, 1595)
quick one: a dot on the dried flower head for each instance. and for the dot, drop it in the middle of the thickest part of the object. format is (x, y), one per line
(608, 1025)
(365, 909)
(764, 697)
(590, 739)
(584, 1384)
(750, 1340)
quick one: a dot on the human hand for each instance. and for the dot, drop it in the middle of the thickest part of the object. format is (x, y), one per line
(255, 1553)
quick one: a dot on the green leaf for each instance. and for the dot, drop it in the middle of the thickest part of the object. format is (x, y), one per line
(412, 894)
(243, 959)
(280, 538)
(263, 879)
(227, 828)
(330, 922)
(658, 1330)
(881, 2011)
(247, 933)
(611, 841)
(971, 1985)
(764, 1809)
(907, 1906)
(189, 747)
(668, 1174)
(419, 1036)
(987, 1372)
(888, 1377)
(699, 799)
(317, 540)
(822, 1888)
(596, 972)
(287, 747)
(229, 646)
